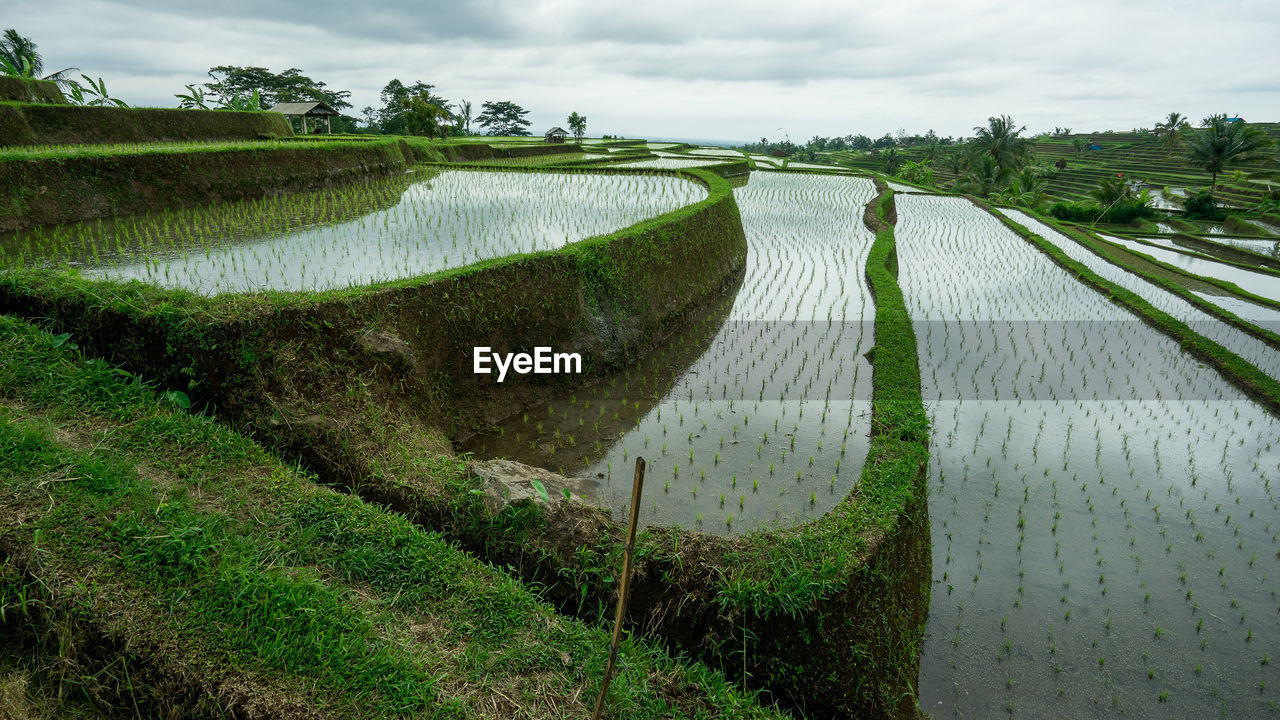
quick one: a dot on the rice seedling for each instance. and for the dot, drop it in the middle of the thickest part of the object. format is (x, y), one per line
(1033, 381)
(354, 234)
(757, 382)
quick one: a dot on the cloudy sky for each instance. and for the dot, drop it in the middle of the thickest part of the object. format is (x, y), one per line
(720, 69)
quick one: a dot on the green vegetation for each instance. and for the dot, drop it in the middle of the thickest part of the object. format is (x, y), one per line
(577, 125)
(58, 186)
(1260, 386)
(1221, 143)
(503, 117)
(50, 124)
(236, 580)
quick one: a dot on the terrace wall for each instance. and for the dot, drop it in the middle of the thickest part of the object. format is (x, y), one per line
(41, 190)
(832, 611)
(20, 89)
(59, 124)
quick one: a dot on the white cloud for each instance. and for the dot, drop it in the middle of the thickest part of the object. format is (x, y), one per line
(721, 69)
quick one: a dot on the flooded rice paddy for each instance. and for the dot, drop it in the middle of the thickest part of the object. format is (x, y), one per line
(1261, 355)
(357, 234)
(759, 415)
(1104, 521)
(1258, 283)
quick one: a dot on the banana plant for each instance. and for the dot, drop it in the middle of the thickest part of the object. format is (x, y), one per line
(76, 93)
(98, 89)
(252, 103)
(193, 99)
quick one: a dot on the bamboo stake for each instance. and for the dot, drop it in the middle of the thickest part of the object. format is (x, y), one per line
(627, 552)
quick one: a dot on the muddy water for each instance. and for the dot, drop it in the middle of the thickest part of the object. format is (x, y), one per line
(1104, 513)
(759, 414)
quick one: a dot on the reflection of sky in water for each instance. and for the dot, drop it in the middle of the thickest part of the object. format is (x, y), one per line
(764, 404)
(453, 219)
(1257, 283)
(1088, 555)
(1263, 356)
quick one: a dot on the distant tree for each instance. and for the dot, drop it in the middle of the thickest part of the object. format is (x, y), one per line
(932, 149)
(982, 177)
(464, 116)
(1172, 128)
(860, 142)
(918, 172)
(1001, 141)
(423, 116)
(1111, 190)
(956, 161)
(886, 141)
(1222, 143)
(394, 96)
(503, 117)
(891, 161)
(233, 81)
(577, 125)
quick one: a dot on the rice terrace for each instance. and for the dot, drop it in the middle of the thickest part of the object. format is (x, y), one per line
(419, 411)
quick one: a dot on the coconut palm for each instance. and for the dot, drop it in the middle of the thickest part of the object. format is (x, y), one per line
(1027, 189)
(1172, 129)
(15, 48)
(1111, 190)
(19, 56)
(1001, 142)
(464, 115)
(891, 161)
(1221, 143)
(983, 177)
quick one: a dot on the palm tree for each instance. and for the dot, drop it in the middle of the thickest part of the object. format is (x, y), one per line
(983, 178)
(15, 48)
(1221, 143)
(1172, 128)
(464, 115)
(890, 161)
(1026, 190)
(20, 54)
(1001, 142)
(1111, 190)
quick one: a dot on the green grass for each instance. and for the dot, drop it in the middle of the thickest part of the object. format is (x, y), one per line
(379, 435)
(39, 152)
(222, 566)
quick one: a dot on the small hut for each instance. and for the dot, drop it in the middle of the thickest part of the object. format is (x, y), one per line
(306, 110)
(555, 135)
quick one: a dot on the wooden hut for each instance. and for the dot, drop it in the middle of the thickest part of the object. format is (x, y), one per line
(555, 135)
(306, 110)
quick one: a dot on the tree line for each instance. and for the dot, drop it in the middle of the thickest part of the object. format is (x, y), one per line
(404, 109)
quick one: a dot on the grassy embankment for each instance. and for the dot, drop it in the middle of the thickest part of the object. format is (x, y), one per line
(156, 563)
(1170, 278)
(1244, 375)
(810, 603)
